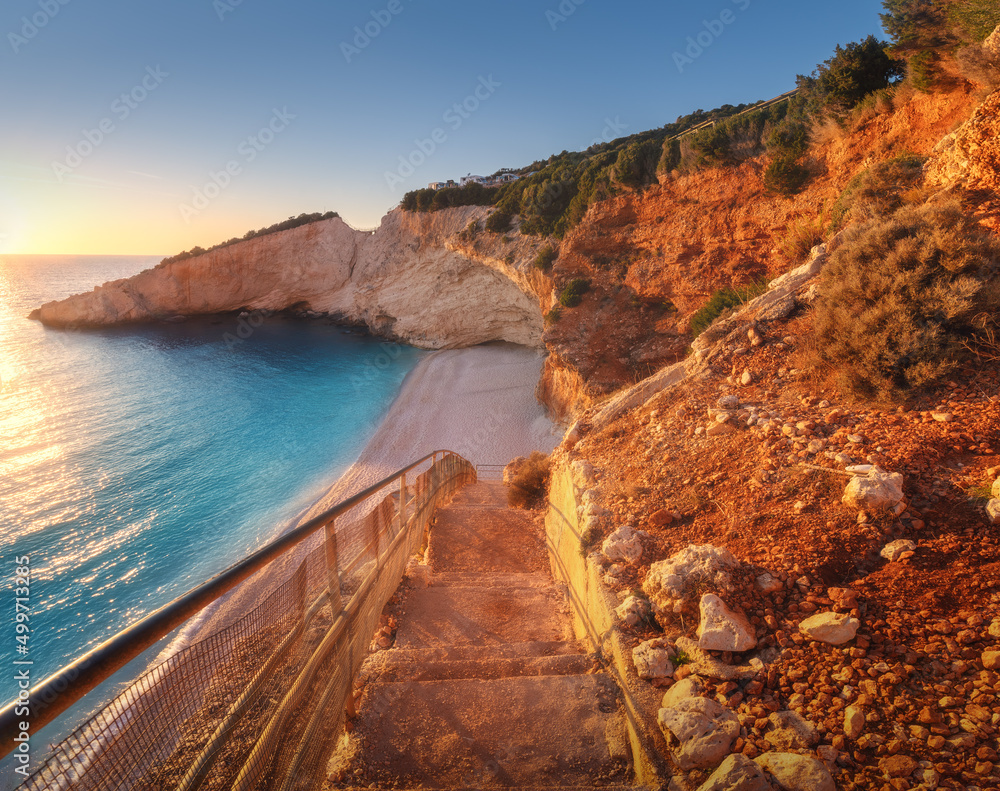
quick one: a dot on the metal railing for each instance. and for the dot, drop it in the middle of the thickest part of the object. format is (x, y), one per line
(490, 472)
(257, 704)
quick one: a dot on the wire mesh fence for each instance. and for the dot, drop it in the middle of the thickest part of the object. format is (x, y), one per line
(259, 704)
(490, 472)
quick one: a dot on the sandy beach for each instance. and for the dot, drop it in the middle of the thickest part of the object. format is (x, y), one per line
(478, 402)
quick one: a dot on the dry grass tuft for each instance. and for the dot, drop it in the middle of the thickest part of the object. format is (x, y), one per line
(900, 299)
(528, 483)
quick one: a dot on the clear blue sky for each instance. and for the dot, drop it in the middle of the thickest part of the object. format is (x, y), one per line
(203, 78)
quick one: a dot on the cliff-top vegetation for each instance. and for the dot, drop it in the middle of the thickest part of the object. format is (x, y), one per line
(285, 225)
(554, 194)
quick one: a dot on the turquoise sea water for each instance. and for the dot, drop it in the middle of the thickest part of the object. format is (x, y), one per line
(136, 462)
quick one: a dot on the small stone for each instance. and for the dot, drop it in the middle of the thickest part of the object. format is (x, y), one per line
(854, 722)
(661, 518)
(746, 378)
(843, 597)
(830, 627)
(797, 772)
(652, 659)
(893, 551)
(993, 511)
(718, 429)
(790, 732)
(723, 629)
(768, 584)
(995, 491)
(623, 545)
(991, 660)
(898, 765)
(943, 417)
(633, 610)
(737, 773)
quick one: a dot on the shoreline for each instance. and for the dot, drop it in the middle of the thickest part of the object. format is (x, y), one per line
(478, 402)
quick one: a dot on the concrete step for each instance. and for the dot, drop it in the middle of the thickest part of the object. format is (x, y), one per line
(453, 662)
(550, 731)
(491, 579)
(564, 665)
(476, 540)
(483, 493)
(463, 653)
(612, 787)
(462, 615)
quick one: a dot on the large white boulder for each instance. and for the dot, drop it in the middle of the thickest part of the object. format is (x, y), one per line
(796, 772)
(701, 731)
(690, 687)
(877, 491)
(723, 629)
(622, 546)
(737, 773)
(670, 583)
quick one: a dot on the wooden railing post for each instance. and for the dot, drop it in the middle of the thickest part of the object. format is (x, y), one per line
(402, 502)
(333, 565)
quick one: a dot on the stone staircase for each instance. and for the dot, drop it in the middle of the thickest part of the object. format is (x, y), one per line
(486, 687)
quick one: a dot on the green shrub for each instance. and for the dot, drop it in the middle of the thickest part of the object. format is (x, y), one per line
(637, 162)
(721, 301)
(901, 299)
(499, 221)
(879, 190)
(915, 25)
(736, 139)
(553, 315)
(572, 294)
(670, 156)
(785, 176)
(923, 70)
(841, 82)
(528, 485)
(545, 257)
(790, 137)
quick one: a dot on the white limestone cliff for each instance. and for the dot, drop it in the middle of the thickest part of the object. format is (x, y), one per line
(405, 282)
